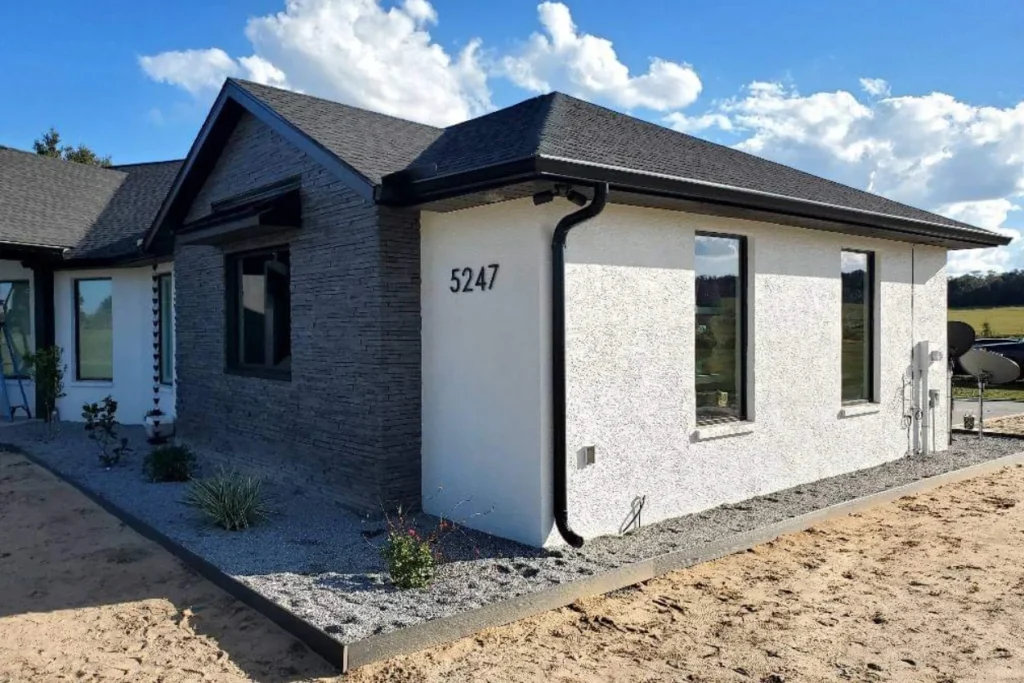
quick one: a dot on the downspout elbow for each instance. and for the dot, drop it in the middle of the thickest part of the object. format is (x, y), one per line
(558, 389)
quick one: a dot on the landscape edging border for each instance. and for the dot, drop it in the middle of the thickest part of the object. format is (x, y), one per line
(347, 656)
(330, 649)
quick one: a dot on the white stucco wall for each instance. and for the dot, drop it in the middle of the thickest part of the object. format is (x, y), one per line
(132, 385)
(630, 387)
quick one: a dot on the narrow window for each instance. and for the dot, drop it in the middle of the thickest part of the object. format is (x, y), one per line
(165, 294)
(259, 309)
(17, 312)
(858, 328)
(94, 330)
(720, 355)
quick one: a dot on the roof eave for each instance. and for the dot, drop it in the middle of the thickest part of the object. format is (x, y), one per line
(397, 190)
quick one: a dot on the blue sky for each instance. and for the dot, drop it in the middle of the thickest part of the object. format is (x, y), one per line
(781, 79)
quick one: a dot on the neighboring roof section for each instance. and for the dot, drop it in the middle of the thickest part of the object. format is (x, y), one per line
(130, 211)
(91, 211)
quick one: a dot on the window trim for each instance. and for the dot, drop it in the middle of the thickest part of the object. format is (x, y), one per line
(31, 322)
(78, 341)
(742, 288)
(233, 316)
(870, 332)
(160, 279)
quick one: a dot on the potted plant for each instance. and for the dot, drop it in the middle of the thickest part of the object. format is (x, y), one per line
(159, 427)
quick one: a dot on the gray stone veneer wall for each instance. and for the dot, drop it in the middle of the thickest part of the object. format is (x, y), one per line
(348, 422)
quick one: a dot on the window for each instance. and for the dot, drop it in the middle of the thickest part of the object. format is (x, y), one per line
(17, 309)
(858, 327)
(94, 330)
(720, 355)
(165, 300)
(259, 309)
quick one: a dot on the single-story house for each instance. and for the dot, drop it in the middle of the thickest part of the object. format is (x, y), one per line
(558, 320)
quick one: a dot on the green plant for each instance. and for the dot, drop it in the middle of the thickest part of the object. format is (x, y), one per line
(46, 367)
(229, 500)
(101, 426)
(986, 329)
(169, 463)
(411, 557)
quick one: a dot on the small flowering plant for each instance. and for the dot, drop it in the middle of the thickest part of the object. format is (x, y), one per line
(411, 557)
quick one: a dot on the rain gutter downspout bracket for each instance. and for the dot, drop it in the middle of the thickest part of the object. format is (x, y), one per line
(558, 240)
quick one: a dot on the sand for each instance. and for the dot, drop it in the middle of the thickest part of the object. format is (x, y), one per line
(929, 588)
(84, 598)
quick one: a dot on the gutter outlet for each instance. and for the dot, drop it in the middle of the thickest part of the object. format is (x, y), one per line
(559, 482)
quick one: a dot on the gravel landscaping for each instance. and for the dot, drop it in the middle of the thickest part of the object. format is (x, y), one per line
(323, 562)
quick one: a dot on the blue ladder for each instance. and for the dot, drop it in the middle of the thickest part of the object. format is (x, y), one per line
(16, 368)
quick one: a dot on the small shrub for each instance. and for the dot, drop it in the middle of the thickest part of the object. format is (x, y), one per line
(169, 463)
(101, 426)
(412, 558)
(46, 367)
(230, 500)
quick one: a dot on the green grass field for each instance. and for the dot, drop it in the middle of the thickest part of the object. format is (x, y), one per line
(1007, 321)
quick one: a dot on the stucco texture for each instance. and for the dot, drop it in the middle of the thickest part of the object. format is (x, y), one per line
(630, 366)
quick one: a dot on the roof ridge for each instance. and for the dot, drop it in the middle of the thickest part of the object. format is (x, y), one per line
(45, 159)
(246, 84)
(144, 163)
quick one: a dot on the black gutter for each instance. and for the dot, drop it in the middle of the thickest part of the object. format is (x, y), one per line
(400, 191)
(560, 484)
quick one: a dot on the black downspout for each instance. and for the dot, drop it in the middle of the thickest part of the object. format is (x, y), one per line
(567, 223)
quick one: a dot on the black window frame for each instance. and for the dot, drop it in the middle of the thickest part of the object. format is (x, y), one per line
(869, 296)
(164, 329)
(742, 289)
(31, 313)
(78, 340)
(233, 310)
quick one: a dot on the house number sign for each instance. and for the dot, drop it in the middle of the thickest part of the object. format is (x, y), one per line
(472, 280)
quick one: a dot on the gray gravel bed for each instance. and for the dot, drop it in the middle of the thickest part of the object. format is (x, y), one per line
(323, 563)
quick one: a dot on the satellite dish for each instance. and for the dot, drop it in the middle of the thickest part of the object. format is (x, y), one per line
(959, 337)
(990, 367)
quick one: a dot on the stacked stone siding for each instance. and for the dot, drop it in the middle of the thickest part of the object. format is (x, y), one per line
(348, 421)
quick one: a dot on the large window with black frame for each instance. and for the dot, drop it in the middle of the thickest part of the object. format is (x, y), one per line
(259, 312)
(858, 273)
(720, 353)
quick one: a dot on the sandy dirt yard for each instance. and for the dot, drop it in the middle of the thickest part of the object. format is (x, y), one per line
(83, 598)
(929, 588)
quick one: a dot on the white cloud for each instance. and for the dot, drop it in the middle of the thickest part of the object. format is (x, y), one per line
(562, 58)
(695, 124)
(193, 70)
(353, 51)
(876, 87)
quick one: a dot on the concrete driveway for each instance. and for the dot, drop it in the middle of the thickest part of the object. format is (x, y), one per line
(992, 409)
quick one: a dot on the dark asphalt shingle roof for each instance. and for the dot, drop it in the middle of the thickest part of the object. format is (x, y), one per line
(93, 212)
(371, 143)
(558, 125)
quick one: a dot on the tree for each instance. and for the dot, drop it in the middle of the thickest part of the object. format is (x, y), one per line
(49, 146)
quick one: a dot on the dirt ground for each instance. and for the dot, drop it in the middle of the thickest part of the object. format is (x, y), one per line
(929, 588)
(83, 598)
(1013, 424)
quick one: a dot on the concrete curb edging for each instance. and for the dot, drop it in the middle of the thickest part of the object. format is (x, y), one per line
(447, 629)
(348, 656)
(315, 639)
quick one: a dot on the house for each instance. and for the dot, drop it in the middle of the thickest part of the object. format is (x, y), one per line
(73, 274)
(556, 319)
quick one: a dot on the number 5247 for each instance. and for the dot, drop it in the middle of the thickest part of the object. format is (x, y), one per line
(470, 280)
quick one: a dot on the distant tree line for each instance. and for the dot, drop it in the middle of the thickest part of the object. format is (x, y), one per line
(987, 290)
